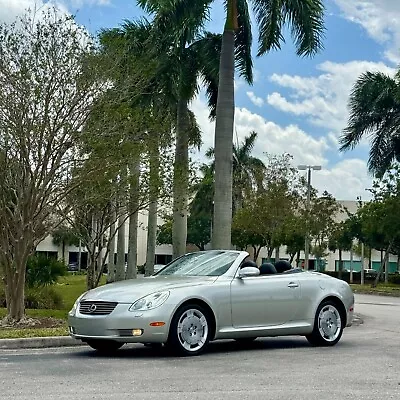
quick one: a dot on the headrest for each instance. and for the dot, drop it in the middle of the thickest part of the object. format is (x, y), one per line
(267, 269)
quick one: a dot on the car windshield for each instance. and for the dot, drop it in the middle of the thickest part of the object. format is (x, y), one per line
(209, 263)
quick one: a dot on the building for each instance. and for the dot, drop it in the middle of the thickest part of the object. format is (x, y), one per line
(164, 252)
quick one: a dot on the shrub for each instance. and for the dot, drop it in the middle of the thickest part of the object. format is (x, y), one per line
(43, 298)
(38, 298)
(394, 278)
(141, 269)
(43, 271)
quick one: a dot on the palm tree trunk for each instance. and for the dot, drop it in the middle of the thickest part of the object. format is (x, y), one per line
(120, 265)
(92, 254)
(122, 197)
(181, 172)
(152, 217)
(131, 271)
(111, 253)
(222, 225)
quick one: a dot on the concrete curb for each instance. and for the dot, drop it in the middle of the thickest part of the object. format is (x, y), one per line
(39, 342)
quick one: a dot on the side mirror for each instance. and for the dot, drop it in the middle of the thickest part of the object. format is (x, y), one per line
(249, 271)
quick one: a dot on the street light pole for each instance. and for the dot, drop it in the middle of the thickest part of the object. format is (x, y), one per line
(307, 239)
(308, 206)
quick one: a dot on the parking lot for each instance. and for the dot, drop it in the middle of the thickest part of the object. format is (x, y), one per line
(364, 365)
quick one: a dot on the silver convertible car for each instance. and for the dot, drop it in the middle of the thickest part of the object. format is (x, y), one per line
(211, 295)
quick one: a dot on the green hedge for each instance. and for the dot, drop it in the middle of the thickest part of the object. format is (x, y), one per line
(38, 298)
(393, 278)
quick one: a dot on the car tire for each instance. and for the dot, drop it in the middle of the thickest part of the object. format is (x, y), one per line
(328, 325)
(190, 330)
(105, 346)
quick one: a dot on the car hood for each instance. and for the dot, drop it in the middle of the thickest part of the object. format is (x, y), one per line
(130, 290)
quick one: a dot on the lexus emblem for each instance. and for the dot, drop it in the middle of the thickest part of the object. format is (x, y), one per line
(92, 308)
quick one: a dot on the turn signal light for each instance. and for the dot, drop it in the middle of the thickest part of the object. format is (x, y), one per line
(157, 323)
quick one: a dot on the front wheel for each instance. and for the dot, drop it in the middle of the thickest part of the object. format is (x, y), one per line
(190, 330)
(328, 325)
(104, 346)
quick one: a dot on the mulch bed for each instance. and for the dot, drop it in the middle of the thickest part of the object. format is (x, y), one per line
(33, 323)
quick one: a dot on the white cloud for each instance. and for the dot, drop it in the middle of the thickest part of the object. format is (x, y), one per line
(346, 180)
(257, 101)
(272, 138)
(381, 20)
(322, 99)
(10, 9)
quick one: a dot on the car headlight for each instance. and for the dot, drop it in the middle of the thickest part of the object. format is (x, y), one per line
(150, 301)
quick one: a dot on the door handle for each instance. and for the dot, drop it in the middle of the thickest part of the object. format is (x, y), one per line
(293, 285)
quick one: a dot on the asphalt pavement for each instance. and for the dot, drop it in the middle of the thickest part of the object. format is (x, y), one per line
(364, 365)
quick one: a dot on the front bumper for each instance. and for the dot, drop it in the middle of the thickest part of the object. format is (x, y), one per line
(120, 324)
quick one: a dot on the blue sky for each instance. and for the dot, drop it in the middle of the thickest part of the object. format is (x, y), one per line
(297, 105)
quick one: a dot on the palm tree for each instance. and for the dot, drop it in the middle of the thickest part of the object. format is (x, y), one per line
(306, 21)
(305, 18)
(248, 171)
(191, 55)
(64, 236)
(375, 112)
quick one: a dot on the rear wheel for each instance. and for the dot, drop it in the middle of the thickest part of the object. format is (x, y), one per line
(328, 325)
(104, 346)
(190, 330)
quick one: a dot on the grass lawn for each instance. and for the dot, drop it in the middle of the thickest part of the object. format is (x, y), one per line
(27, 333)
(382, 289)
(70, 288)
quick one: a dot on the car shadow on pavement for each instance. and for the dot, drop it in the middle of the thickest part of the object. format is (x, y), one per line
(217, 347)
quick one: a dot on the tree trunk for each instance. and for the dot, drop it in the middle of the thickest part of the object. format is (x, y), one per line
(151, 238)
(63, 251)
(154, 184)
(92, 255)
(292, 258)
(362, 264)
(277, 254)
(121, 201)
(340, 264)
(15, 289)
(131, 271)
(298, 259)
(385, 260)
(222, 224)
(80, 256)
(387, 270)
(181, 182)
(120, 265)
(111, 252)
(351, 266)
(257, 253)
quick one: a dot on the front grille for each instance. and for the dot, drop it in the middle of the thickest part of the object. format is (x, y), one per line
(97, 307)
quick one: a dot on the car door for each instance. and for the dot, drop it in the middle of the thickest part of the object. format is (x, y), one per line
(265, 300)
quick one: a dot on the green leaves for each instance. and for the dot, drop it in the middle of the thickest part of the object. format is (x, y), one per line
(375, 112)
(304, 17)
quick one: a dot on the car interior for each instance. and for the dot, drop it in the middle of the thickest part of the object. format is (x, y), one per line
(280, 267)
